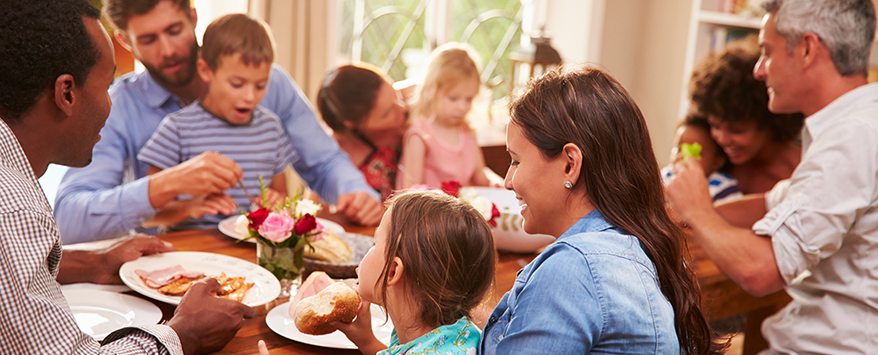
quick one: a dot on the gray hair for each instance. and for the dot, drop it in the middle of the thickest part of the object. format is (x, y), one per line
(846, 28)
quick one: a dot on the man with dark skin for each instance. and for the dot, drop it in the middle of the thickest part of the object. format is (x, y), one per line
(53, 104)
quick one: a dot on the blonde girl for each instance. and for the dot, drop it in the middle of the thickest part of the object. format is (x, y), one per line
(432, 263)
(440, 145)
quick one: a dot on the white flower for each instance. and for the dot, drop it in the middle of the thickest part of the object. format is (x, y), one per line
(467, 194)
(483, 205)
(306, 206)
(241, 225)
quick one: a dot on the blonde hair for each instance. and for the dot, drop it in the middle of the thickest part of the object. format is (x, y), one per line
(450, 64)
(237, 33)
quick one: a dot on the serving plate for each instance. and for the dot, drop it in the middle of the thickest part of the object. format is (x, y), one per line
(265, 285)
(99, 313)
(358, 244)
(280, 322)
(227, 227)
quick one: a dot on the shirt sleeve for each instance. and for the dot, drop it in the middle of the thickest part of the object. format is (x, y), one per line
(327, 169)
(832, 187)
(555, 313)
(163, 150)
(95, 202)
(36, 317)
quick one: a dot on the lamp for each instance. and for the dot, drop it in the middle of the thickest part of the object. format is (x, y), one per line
(532, 60)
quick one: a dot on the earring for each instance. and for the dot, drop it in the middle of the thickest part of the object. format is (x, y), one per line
(568, 185)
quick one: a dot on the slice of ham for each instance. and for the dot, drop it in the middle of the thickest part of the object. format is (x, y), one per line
(316, 282)
(159, 278)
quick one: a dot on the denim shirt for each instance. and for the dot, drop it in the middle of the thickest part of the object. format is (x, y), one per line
(110, 196)
(593, 290)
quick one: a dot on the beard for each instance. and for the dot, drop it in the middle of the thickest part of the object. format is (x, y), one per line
(183, 76)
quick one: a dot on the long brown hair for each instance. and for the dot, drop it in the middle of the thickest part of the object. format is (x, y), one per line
(620, 176)
(447, 250)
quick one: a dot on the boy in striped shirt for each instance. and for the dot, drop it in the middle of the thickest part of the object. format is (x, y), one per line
(236, 59)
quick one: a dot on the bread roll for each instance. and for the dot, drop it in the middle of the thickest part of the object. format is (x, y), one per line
(329, 248)
(336, 303)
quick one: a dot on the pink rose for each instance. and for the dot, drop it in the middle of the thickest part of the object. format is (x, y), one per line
(276, 227)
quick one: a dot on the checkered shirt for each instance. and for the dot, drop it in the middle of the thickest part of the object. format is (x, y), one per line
(34, 316)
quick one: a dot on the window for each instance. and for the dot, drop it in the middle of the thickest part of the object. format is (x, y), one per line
(398, 35)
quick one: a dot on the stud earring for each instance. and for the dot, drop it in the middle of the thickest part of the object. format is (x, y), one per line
(568, 185)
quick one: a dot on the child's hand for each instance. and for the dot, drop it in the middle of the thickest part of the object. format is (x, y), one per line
(263, 350)
(359, 331)
(178, 211)
(272, 198)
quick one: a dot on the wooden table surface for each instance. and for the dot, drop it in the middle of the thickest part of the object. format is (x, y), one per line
(721, 296)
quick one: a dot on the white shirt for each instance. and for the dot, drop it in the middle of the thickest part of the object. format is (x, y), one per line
(825, 234)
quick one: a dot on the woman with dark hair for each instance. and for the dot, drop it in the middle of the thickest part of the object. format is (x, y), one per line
(762, 147)
(615, 280)
(368, 119)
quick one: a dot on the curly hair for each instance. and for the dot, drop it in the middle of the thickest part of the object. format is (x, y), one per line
(41, 40)
(723, 86)
(120, 11)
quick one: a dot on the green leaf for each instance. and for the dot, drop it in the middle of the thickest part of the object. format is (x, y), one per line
(690, 150)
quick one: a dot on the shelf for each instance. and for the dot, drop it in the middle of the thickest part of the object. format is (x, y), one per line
(724, 19)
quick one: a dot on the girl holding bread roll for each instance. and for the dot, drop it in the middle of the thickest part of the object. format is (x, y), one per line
(432, 263)
(615, 280)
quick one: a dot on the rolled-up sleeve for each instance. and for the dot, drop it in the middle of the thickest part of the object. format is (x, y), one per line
(829, 191)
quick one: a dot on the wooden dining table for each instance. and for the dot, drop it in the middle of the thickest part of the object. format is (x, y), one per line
(720, 296)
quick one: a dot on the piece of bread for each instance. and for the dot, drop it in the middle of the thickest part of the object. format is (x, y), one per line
(328, 247)
(336, 303)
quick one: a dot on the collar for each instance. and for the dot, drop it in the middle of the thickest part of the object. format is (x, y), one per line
(594, 221)
(156, 95)
(829, 115)
(12, 154)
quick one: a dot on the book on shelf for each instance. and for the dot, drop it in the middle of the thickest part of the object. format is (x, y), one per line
(722, 35)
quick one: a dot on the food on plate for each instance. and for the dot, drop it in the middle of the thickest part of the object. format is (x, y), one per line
(179, 286)
(328, 247)
(158, 278)
(175, 281)
(320, 302)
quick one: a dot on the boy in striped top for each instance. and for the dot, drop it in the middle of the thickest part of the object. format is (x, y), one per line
(236, 63)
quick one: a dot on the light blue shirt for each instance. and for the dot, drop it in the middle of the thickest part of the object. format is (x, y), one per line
(593, 291)
(460, 338)
(109, 197)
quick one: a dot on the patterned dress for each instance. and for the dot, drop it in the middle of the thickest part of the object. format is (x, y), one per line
(460, 338)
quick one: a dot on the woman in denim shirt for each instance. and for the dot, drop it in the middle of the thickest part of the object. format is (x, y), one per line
(614, 281)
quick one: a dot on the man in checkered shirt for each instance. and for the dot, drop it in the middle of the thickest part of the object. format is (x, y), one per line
(56, 63)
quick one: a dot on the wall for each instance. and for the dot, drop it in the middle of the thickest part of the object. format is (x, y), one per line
(644, 46)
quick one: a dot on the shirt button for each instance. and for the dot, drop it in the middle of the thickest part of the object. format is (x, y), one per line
(492, 320)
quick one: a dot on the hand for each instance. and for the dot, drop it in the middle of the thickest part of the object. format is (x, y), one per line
(360, 207)
(178, 211)
(204, 322)
(208, 173)
(125, 250)
(687, 192)
(272, 197)
(359, 331)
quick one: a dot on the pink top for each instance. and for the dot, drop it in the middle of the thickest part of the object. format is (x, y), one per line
(443, 162)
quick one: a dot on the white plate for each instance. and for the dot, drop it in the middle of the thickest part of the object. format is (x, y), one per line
(99, 313)
(280, 322)
(227, 227)
(509, 234)
(265, 288)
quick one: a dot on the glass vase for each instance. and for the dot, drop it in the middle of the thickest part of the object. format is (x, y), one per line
(284, 262)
